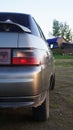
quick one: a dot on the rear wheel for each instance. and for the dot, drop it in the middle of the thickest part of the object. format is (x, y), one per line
(52, 82)
(41, 113)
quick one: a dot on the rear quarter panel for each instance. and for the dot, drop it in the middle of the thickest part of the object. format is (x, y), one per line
(43, 52)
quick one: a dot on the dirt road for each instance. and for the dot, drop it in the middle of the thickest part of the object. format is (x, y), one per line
(61, 106)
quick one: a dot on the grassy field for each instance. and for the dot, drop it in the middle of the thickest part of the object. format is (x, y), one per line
(63, 60)
(60, 56)
(61, 104)
(61, 99)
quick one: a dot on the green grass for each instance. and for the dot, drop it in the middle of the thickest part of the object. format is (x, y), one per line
(64, 64)
(69, 99)
(63, 60)
(61, 99)
(59, 56)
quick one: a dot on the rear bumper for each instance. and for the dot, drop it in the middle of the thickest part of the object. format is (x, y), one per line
(20, 81)
(20, 87)
(17, 102)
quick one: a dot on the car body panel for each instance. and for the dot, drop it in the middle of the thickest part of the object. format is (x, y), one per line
(8, 40)
(20, 81)
(24, 85)
(28, 40)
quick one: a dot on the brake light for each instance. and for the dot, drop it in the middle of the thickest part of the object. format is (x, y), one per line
(25, 61)
(24, 57)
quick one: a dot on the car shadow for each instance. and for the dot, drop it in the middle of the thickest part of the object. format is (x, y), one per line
(15, 115)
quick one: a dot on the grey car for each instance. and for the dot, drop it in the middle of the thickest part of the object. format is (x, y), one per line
(26, 65)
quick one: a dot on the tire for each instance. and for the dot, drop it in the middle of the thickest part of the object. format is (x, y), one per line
(52, 82)
(41, 113)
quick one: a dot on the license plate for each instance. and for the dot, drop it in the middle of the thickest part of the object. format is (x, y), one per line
(5, 55)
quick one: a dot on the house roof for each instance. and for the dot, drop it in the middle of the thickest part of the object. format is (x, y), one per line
(56, 40)
(53, 40)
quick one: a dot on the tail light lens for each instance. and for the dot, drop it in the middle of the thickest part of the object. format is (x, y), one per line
(24, 57)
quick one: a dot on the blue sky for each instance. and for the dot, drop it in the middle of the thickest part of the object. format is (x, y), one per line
(44, 11)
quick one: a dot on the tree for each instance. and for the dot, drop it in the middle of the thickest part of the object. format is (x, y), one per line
(62, 29)
(56, 28)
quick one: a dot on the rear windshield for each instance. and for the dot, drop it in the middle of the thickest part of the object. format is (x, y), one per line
(21, 19)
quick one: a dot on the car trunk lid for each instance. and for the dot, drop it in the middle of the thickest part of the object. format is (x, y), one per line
(9, 33)
(8, 40)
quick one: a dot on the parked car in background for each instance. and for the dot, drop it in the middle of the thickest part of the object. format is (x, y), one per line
(26, 65)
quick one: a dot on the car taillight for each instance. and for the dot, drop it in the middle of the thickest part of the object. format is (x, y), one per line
(25, 61)
(23, 57)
